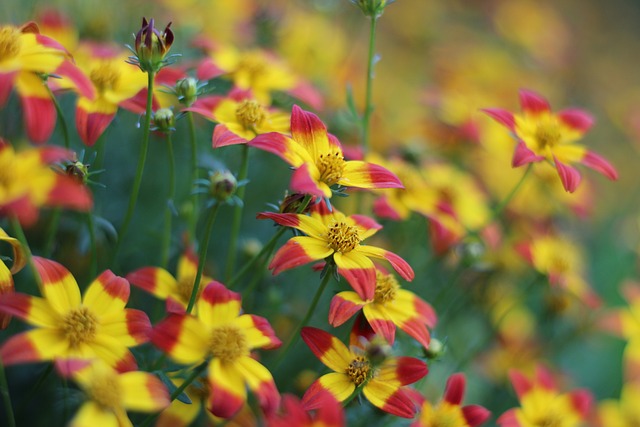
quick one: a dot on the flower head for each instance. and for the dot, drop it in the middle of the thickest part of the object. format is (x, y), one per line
(68, 326)
(151, 46)
(544, 135)
(6, 274)
(225, 338)
(334, 236)
(318, 159)
(380, 383)
(329, 413)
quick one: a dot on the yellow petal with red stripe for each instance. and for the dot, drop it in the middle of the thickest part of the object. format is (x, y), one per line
(298, 251)
(33, 346)
(218, 305)
(359, 271)
(93, 414)
(282, 146)
(389, 398)
(188, 266)
(343, 306)
(33, 310)
(260, 381)
(58, 286)
(257, 331)
(228, 390)
(106, 295)
(401, 266)
(114, 352)
(143, 392)
(329, 349)
(155, 280)
(380, 321)
(183, 337)
(309, 131)
(338, 385)
(368, 175)
(131, 327)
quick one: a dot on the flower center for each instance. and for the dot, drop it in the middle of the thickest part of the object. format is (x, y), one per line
(104, 77)
(447, 416)
(185, 287)
(547, 135)
(331, 167)
(105, 390)
(9, 43)
(252, 64)
(343, 238)
(250, 114)
(79, 326)
(359, 370)
(386, 288)
(228, 343)
(559, 264)
(548, 420)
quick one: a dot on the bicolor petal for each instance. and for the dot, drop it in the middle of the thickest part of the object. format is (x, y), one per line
(131, 327)
(361, 174)
(142, 391)
(343, 306)
(533, 103)
(33, 310)
(108, 294)
(157, 281)
(329, 349)
(359, 271)
(600, 164)
(298, 251)
(522, 155)
(181, 337)
(380, 321)
(576, 119)
(217, 304)
(258, 331)
(228, 390)
(389, 399)
(401, 266)
(338, 385)
(503, 117)
(260, 381)
(58, 286)
(33, 346)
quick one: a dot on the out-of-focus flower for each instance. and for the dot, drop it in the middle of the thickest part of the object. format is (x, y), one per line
(176, 291)
(69, 326)
(372, 8)
(224, 338)
(151, 47)
(318, 159)
(391, 306)
(541, 403)
(544, 135)
(381, 383)
(449, 411)
(624, 412)
(28, 183)
(240, 117)
(6, 274)
(110, 393)
(328, 414)
(333, 235)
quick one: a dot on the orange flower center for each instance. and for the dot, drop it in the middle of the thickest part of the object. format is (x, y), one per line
(386, 288)
(250, 114)
(359, 370)
(343, 238)
(105, 76)
(547, 134)
(331, 167)
(9, 43)
(79, 326)
(105, 390)
(559, 264)
(228, 343)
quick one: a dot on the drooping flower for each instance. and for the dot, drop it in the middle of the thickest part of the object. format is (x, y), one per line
(318, 160)
(544, 135)
(391, 306)
(449, 412)
(6, 274)
(225, 338)
(28, 183)
(68, 326)
(328, 414)
(382, 384)
(335, 236)
(176, 291)
(542, 404)
(110, 394)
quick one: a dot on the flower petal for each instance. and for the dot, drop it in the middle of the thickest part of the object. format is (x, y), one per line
(92, 413)
(59, 287)
(258, 332)
(306, 180)
(144, 392)
(222, 137)
(454, 391)
(91, 125)
(156, 281)
(131, 327)
(260, 381)
(343, 306)
(299, 251)
(533, 103)
(309, 131)
(522, 155)
(475, 414)
(33, 310)
(503, 117)
(329, 349)
(600, 164)
(401, 266)
(389, 399)
(576, 119)
(107, 294)
(218, 305)
(228, 390)
(33, 346)
(380, 322)
(338, 385)
(282, 146)
(569, 176)
(182, 337)
(359, 271)
(402, 370)
(361, 174)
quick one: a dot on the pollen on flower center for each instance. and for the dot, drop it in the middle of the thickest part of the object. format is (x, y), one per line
(104, 77)
(386, 288)
(9, 43)
(105, 390)
(79, 326)
(250, 113)
(343, 238)
(359, 370)
(331, 167)
(228, 343)
(559, 264)
(547, 135)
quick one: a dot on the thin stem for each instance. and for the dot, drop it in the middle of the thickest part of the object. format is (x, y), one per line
(248, 266)
(296, 334)
(169, 209)
(204, 245)
(52, 231)
(63, 122)
(237, 214)
(193, 217)
(6, 398)
(93, 247)
(368, 108)
(141, 161)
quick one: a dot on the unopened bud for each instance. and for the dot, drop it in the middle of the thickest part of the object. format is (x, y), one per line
(151, 46)
(78, 171)
(222, 185)
(163, 120)
(436, 349)
(292, 203)
(372, 8)
(187, 90)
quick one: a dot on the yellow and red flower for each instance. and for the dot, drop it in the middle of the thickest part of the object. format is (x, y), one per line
(225, 338)
(541, 403)
(333, 235)
(544, 135)
(6, 274)
(68, 326)
(624, 412)
(382, 384)
(110, 393)
(318, 160)
(176, 291)
(27, 183)
(449, 411)
(328, 414)
(391, 306)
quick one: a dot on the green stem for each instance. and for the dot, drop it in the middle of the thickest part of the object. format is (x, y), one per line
(63, 122)
(237, 213)
(141, 161)
(51, 232)
(248, 266)
(193, 218)
(296, 333)
(204, 245)
(6, 398)
(169, 210)
(93, 250)
(368, 108)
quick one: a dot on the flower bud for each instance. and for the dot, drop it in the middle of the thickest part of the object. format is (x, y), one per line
(222, 185)
(163, 120)
(436, 349)
(151, 46)
(293, 202)
(187, 90)
(372, 8)
(78, 171)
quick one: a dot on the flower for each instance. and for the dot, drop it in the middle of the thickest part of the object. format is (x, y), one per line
(335, 236)
(541, 404)
(317, 157)
(70, 327)
(543, 135)
(176, 291)
(449, 412)
(6, 274)
(329, 413)
(224, 338)
(381, 383)
(110, 393)
(28, 183)
(623, 412)
(391, 306)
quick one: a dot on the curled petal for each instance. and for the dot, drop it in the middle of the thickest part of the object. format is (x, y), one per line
(523, 155)
(222, 137)
(343, 306)
(600, 164)
(401, 266)
(503, 117)
(569, 176)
